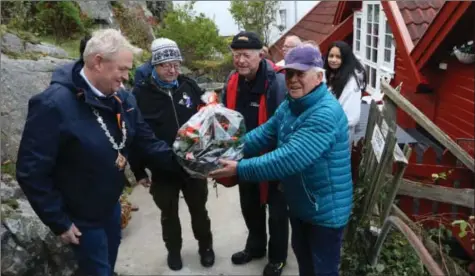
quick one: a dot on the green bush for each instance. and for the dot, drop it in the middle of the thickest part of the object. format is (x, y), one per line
(217, 70)
(196, 35)
(18, 15)
(61, 19)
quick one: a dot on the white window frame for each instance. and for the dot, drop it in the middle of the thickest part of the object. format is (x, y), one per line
(283, 19)
(383, 68)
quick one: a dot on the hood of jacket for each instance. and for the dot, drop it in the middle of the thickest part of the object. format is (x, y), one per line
(64, 75)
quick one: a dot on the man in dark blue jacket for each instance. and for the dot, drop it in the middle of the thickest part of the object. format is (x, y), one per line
(76, 141)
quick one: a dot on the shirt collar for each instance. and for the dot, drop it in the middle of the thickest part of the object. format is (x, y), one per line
(93, 88)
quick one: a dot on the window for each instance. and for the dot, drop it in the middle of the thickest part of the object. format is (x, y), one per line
(373, 43)
(283, 18)
(357, 33)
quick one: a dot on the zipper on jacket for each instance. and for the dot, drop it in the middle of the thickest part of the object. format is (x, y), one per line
(174, 109)
(171, 99)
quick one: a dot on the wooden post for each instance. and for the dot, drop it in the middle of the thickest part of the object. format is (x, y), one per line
(396, 182)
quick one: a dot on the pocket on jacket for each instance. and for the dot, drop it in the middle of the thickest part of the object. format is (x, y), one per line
(312, 197)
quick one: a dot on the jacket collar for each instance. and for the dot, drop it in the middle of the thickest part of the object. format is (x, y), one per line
(298, 106)
(92, 95)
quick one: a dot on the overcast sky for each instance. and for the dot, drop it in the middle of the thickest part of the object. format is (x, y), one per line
(219, 11)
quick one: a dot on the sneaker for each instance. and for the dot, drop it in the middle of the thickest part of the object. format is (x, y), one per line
(243, 257)
(174, 261)
(273, 269)
(207, 257)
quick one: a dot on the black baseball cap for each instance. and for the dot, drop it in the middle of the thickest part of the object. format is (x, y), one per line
(246, 40)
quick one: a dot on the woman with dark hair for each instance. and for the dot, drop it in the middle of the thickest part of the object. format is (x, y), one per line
(346, 79)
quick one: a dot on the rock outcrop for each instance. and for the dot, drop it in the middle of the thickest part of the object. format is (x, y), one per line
(13, 44)
(99, 11)
(21, 79)
(28, 246)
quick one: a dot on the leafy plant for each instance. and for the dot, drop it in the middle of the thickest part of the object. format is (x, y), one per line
(467, 228)
(397, 257)
(18, 14)
(256, 16)
(217, 70)
(196, 35)
(133, 26)
(61, 19)
(442, 175)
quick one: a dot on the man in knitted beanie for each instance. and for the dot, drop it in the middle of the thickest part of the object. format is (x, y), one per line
(167, 100)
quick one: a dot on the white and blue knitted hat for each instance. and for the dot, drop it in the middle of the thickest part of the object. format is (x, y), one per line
(164, 50)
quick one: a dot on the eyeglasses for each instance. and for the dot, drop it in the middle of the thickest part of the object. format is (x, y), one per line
(169, 66)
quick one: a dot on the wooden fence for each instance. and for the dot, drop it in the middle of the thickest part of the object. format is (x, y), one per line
(432, 189)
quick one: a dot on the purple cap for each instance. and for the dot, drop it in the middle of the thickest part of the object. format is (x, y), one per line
(303, 58)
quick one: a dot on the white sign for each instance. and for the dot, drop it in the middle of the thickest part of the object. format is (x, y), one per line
(377, 142)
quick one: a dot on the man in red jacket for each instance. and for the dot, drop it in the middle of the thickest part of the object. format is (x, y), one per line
(255, 90)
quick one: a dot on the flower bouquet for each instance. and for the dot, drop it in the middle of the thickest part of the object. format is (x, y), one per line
(213, 133)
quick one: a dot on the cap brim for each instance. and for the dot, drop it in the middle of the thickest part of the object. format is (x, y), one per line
(296, 66)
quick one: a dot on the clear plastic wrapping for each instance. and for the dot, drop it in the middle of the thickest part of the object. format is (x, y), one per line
(213, 133)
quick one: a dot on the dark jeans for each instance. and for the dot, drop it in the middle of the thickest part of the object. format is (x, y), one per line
(317, 248)
(195, 192)
(255, 217)
(98, 247)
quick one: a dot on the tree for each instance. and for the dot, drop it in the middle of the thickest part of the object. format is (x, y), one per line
(255, 16)
(196, 35)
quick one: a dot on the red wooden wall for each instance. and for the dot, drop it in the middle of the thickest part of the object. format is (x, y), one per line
(455, 101)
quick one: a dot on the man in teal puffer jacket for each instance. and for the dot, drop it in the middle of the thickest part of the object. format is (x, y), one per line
(311, 159)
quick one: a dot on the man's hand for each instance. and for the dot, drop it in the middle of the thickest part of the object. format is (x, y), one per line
(229, 169)
(71, 236)
(144, 182)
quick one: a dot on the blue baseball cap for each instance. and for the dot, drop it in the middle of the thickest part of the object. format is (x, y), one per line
(303, 58)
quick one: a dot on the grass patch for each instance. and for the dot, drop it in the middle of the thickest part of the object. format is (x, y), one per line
(70, 46)
(12, 203)
(9, 168)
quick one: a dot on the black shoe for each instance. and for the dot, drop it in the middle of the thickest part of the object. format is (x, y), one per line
(274, 269)
(243, 257)
(174, 261)
(207, 257)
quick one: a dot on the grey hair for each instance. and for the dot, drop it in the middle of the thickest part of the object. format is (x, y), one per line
(313, 43)
(108, 42)
(294, 38)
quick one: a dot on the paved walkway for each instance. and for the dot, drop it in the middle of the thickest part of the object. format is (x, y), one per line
(142, 251)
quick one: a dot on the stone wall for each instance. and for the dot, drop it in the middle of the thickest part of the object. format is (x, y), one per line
(28, 246)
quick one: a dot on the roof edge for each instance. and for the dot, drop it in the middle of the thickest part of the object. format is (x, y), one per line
(402, 25)
(404, 44)
(339, 33)
(440, 27)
